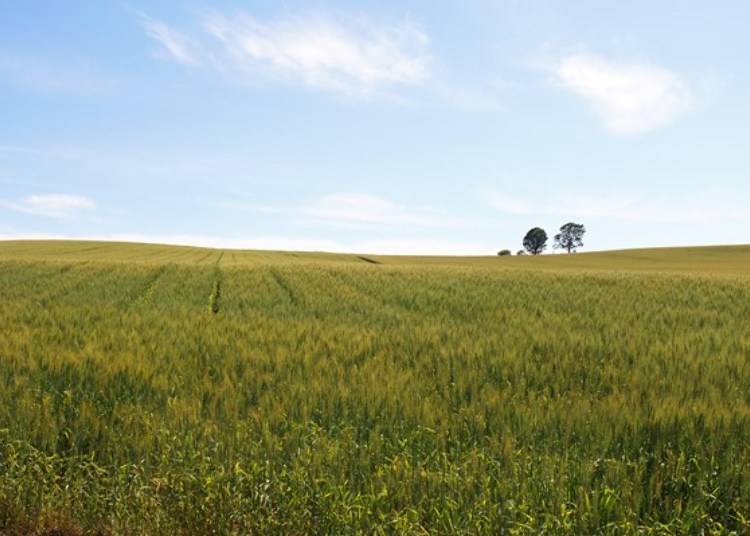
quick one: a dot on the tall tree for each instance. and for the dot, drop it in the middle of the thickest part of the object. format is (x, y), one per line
(535, 241)
(570, 237)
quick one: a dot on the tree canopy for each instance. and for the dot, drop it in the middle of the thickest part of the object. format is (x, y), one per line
(535, 241)
(570, 237)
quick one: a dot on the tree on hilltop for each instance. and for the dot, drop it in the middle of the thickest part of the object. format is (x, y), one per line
(535, 241)
(570, 237)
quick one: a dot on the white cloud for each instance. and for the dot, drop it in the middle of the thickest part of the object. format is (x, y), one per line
(53, 205)
(701, 208)
(366, 209)
(345, 55)
(174, 45)
(630, 98)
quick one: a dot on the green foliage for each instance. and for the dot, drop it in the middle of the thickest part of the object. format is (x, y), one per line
(178, 391)
(570, 237)
(503, 253)
(535, 241)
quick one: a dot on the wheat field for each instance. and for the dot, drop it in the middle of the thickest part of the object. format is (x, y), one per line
(150, 389)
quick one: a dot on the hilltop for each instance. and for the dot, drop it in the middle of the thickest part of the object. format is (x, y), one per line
(733, 259)
(158, 389)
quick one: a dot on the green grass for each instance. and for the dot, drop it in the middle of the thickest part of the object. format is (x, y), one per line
(169, 390)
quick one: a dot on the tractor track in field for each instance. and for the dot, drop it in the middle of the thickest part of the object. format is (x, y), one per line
(214, 299)
(82, 250)
(148, 290)
(347, 280)
(368, 260)
(204, 257)
(285, 287)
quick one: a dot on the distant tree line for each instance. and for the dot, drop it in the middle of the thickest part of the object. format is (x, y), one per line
(570, 238)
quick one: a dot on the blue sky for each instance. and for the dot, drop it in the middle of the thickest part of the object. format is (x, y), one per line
(387, 127)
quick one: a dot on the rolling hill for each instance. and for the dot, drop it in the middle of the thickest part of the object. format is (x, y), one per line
(704, 259)
(176, 390)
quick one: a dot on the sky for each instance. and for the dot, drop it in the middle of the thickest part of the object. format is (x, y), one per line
(409, 126)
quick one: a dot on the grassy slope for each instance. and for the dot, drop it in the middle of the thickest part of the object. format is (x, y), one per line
(706, 259)
(74, 251)
(171, 390)
(731, 260)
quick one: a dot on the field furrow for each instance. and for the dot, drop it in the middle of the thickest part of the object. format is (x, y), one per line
(181, 391)
(291, 295)
(147, 293)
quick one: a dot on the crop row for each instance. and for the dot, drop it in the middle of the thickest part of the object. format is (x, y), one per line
(335, 398)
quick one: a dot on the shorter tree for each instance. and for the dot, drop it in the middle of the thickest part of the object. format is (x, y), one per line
(503, 252)
(570, 237)
(535, 241)
(520, 252)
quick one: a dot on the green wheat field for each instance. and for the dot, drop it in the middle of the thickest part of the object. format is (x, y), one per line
(169, 390)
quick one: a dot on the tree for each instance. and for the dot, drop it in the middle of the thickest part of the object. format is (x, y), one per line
(503, 252)
(521, 252)
(570, 237)
(535, 241)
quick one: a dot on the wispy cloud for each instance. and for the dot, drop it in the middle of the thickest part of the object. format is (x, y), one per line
(346, 55)
(173, 44)
(52, 205)
(359, 211)
(631, 98)
(700, 208)
(341, 55)
(366, 209)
